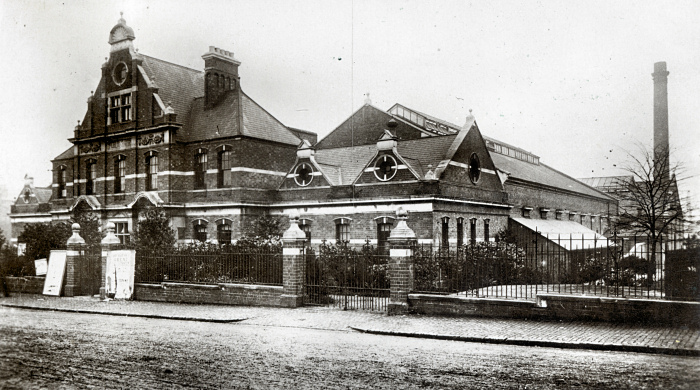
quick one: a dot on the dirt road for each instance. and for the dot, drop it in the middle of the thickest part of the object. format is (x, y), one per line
(41, 349)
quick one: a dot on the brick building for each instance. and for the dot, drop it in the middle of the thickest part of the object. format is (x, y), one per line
(193, 143)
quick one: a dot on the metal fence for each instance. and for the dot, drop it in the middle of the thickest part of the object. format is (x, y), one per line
(221, 265)
(347, 277)
(531, 264)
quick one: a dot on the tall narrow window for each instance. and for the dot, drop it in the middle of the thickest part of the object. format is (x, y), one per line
(445, 231)
(383, 233)
(91, 173)
(200, 170)
(122, 232)
(200, 233)
(224, 169)
(472, 231)
(306, 228)
(223, 233)
(486, 229)
(152, 173)
(460, 231)
(62, 182)
(342, 230)
(120, 174)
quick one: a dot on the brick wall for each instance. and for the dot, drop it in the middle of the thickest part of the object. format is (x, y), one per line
(25, 284)
(222, 293)
(562, 307)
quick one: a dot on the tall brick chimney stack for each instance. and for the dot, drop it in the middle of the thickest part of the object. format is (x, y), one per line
(661, 150)
(221, 74)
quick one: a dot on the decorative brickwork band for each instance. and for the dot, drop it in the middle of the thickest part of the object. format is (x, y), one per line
(402, 241)
(294, 264)
(109, 243)
(74, 249)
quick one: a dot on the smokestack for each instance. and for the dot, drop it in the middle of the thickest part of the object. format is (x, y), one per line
(661, 150)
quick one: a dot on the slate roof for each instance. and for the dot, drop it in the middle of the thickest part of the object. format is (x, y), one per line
(221, 121)
(43, 194)
(542, 174)
(66, 154)
(176, 84)
(258, 123)
(345, 163)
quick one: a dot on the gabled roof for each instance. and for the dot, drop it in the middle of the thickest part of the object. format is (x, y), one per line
(344, 164)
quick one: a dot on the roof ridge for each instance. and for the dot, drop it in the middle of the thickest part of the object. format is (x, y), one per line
(268, 113)
(576, 180)
(172, 63)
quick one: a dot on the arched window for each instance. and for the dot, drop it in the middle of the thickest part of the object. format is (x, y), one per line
(90, 175)
(383, 233)
(342, 230)
(223, 233)
(472, 231)
(119, 174)
(200, 169)
(224, 169)
(460, 231)
(62, 181)
(152, 172)
(305, 226)
(486, 230)
(200, 230)
(445, 231)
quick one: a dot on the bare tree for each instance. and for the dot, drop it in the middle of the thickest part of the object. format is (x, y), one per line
(650, 204)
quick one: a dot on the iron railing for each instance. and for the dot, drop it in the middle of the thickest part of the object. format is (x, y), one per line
(531, 264)
(252, 266)
(347, 277)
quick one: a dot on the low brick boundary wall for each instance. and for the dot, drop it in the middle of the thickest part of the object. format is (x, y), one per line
(568, 307)
(25, 284)
(221, 293)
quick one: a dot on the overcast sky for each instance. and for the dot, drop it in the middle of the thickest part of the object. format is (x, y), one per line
(568, 81)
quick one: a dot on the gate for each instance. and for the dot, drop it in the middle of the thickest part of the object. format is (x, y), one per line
(90, 271)
(347, 278)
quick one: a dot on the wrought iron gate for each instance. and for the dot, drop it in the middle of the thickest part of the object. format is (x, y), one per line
(90, 271)
(347, 278)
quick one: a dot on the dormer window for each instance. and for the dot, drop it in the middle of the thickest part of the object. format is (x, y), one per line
(119, 108)
(303, 174)
(385, 168)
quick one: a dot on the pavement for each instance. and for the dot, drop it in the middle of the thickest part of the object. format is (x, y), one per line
(674, 340)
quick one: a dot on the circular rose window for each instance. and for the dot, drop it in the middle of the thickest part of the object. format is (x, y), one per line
(119, 73)
(474, 168)
(303, 174)
(385, 168)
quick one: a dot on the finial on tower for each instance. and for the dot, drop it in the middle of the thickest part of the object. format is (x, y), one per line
(367, 99)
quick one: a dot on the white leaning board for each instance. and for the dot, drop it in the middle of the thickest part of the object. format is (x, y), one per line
(55, 273)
